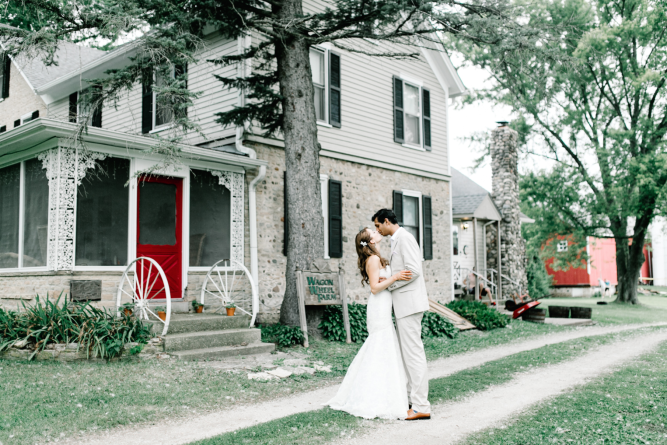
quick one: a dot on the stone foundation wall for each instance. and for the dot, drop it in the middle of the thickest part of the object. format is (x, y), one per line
(366, 189)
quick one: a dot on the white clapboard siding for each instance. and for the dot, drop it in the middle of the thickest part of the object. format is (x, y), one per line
(58, 109)
(125, 114)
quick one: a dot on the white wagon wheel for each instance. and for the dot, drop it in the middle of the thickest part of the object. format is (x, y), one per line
(229, 281)
(147, 283)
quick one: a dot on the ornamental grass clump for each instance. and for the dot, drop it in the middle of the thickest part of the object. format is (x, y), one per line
(96, 331)
(483, 317)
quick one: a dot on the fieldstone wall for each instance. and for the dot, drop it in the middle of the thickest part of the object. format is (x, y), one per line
(366, 189)
(505, 194)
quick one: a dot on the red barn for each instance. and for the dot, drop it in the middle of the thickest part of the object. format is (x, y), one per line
(601, 264)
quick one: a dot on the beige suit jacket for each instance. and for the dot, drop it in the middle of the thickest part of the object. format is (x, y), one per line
(409, 297)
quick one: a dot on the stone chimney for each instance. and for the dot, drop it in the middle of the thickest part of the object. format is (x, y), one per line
(505, 194)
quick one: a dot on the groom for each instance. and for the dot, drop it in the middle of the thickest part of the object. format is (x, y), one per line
(410, 302)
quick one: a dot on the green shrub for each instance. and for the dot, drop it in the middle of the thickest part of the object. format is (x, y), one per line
(539, 281)
(333, 328)
(97, 331)
(281, 334)
(479, 314)
(435, 325)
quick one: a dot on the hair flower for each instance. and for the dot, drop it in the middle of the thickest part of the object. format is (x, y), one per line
(363, 243)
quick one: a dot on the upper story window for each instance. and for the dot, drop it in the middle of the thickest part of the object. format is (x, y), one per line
(412, 114)
(159, 110)
(5, 69)
(325, 69)
(562, 246)
(86, 105)
(26, 118)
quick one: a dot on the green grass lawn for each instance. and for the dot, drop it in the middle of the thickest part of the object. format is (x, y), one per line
(626, 407)
(40, 401)
(651, 309)
(326, 425)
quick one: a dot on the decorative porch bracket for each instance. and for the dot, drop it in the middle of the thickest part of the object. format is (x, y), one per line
(65, 169)
(234, 182)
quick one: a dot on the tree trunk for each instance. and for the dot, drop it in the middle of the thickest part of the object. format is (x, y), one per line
(629, 260)
(302, 162)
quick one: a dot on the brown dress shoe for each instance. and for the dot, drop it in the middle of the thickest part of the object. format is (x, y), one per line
(415, 415)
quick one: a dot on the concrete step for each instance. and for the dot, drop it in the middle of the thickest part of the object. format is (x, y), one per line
(224, 351)
(211, 339)
(183, 323)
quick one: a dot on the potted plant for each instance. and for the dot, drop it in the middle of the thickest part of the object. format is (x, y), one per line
(231, 307)
(197, 307)
(161, 312)
(128, 308)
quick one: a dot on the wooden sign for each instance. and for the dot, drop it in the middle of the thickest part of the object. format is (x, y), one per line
(320, 286)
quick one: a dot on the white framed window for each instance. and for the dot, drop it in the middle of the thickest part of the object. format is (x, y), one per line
(562, 246)
(24, 215)
(412, 113)
(163, 112)
(412, 214)
(326, 74)
(318, 68)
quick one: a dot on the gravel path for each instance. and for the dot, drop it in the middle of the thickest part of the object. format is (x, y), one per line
(454, 421)
(172, 432)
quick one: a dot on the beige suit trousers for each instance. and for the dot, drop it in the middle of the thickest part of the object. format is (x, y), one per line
(414, 359)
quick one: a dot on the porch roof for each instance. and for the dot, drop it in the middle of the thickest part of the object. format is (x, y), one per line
(42, 134)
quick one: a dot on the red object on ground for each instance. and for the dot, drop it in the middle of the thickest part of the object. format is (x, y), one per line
(517, 312)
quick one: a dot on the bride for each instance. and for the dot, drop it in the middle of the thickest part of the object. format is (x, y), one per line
(375, 383)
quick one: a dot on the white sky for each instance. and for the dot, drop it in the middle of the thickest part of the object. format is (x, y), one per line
(468, 119)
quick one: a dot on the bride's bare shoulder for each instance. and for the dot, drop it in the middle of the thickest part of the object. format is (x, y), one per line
(373, 261)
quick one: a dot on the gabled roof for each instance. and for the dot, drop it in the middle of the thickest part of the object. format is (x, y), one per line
(470, 199)
(68, 57)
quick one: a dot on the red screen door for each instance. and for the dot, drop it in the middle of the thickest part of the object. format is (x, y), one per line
(159, 229)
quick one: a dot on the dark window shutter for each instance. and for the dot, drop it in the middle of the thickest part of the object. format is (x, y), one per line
(285, 216)
(97, 112)
(334, 90)
(6, 70)
(147, 102)
(335, 219)
(73, 110)
(17, 123)
(3, 128)
(428, 227)
(398, 111)
(35, 115)
(426, 104)
(398, 206)
(181, 71)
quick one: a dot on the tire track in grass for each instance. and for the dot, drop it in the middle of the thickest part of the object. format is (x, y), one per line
(187, 430)
(453, 422)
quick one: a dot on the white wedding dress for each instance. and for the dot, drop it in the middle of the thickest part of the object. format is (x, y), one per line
(375, 383)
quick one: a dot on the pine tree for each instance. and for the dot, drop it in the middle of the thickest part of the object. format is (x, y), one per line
(279, 89)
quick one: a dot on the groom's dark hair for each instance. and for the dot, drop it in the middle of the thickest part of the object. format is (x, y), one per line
(383, 214)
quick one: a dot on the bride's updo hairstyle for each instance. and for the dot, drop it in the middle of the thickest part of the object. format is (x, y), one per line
(365, 250)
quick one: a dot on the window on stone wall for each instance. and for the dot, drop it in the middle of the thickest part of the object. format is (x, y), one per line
(27, 247)
(102, 215)
(210, 219)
